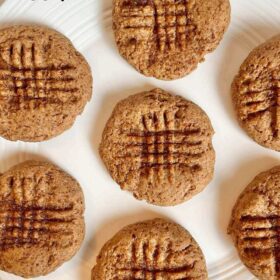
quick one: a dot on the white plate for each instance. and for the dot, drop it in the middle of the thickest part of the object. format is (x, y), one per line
(87, 23)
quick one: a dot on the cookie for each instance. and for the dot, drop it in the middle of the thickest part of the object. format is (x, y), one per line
(158, 146)
(255, 225)
(256, 91)
(41, 219)
(154, 249)
(167, 39)
(44, 83)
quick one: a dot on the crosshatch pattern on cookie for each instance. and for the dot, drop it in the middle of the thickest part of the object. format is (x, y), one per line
(258, 99)
(160, 147)
(26, 219)
(260, 237)
(153, 259)
(28, 79)
(168, 20)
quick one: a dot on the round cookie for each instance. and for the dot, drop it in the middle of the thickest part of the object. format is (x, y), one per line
(256, 91)
(166, 39)
(44, 83)
(154, 249)
(41, 219)
(159, 147)
(255, 224)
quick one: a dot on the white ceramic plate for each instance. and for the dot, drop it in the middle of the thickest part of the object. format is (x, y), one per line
(239, 159)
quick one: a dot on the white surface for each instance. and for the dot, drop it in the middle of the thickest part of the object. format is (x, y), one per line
(87, 23)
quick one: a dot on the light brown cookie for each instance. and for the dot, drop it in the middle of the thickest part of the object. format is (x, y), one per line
(159, 147)
(44, 83)
(256, 94)
(41, 219)
(154, 249)
(255, 225)
(166, 39)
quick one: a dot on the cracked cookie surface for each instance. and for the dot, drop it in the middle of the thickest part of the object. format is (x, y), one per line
(41, 218)
(256, 94)
(166, 39)
(159, 147)
(44, 83)
(255, 225)
(154, 249)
